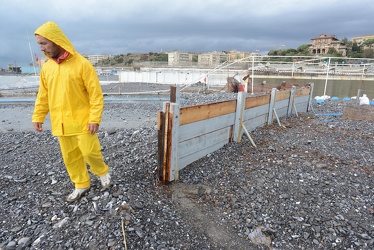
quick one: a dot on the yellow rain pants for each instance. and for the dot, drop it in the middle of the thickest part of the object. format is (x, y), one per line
(77, 150)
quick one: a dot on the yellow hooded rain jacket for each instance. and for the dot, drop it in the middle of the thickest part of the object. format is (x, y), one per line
(69, 91)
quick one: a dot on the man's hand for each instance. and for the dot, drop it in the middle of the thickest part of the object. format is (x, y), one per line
(93, 128)
(38, 126)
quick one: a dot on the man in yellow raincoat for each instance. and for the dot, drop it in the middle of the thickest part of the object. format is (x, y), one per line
(70, 91)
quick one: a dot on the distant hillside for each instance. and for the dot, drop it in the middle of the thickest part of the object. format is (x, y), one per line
(130, 59)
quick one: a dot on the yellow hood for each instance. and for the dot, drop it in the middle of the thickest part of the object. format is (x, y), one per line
(52, 32)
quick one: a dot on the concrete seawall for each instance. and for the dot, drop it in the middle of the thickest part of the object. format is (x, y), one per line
(335, 85)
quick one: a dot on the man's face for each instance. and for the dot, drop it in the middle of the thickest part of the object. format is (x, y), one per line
(49, 47)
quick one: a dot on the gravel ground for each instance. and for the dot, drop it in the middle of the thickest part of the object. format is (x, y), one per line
(308, 185)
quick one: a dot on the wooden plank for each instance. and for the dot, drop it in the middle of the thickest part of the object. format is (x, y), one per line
(255, 101)
(255, 112)
(282, 95)
(302, 103)
(257, 122)
(207, 111)
(302, 99)
(281, 107)
(160, 135)
(185, 161)
(303, 91)
(199, 147)
(302, 107)
(202, 127)
(281, 104)
(281, 111)
(200, 143)
(166, 144)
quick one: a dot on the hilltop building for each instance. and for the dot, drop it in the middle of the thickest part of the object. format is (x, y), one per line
(321, 44)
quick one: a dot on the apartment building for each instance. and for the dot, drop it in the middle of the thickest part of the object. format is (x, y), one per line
(94, 59)
(234, 55)
(361, 39)
(212, 58)
(177, 58)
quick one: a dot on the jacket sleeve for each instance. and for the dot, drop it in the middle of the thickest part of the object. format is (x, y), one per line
(41, 107)
(96, 98)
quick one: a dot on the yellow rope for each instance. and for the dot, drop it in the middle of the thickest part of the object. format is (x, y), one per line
(124, 235)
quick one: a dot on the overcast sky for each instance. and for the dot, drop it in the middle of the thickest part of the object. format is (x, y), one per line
(142, 26)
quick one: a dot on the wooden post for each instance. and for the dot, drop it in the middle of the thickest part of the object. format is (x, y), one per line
(358, 97)
(291, 101)
(176, 94)
(173, 94)
(272, 105)
(310, 107)
(163, 144)
(173, 139)
(237, 132)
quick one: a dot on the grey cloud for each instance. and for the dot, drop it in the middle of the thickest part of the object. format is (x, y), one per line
(121, 27)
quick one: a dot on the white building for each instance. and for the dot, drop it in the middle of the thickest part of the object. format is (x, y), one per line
(177, 58)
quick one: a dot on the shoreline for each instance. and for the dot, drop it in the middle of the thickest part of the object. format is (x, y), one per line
(17, 117)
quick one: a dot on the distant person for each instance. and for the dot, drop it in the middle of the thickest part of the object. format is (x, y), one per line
(70, 91)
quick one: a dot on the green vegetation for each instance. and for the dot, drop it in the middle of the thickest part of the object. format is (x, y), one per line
(129, 59)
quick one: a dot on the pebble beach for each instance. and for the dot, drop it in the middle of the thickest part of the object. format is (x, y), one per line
(308, 184)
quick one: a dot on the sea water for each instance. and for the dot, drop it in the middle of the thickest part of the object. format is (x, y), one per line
(27, 82)
(14, 82)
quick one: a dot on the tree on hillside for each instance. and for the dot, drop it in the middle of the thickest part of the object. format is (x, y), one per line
(368, 43)
(273, 53)
(333, 52)
(368, 53)
(129, 62)
(118, 59)
(160, 57)
(303, 50)
(346, 42)
(354, 50)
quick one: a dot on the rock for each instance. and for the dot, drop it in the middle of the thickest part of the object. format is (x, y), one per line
(24, 242)
(258, 238)
(11, 245)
